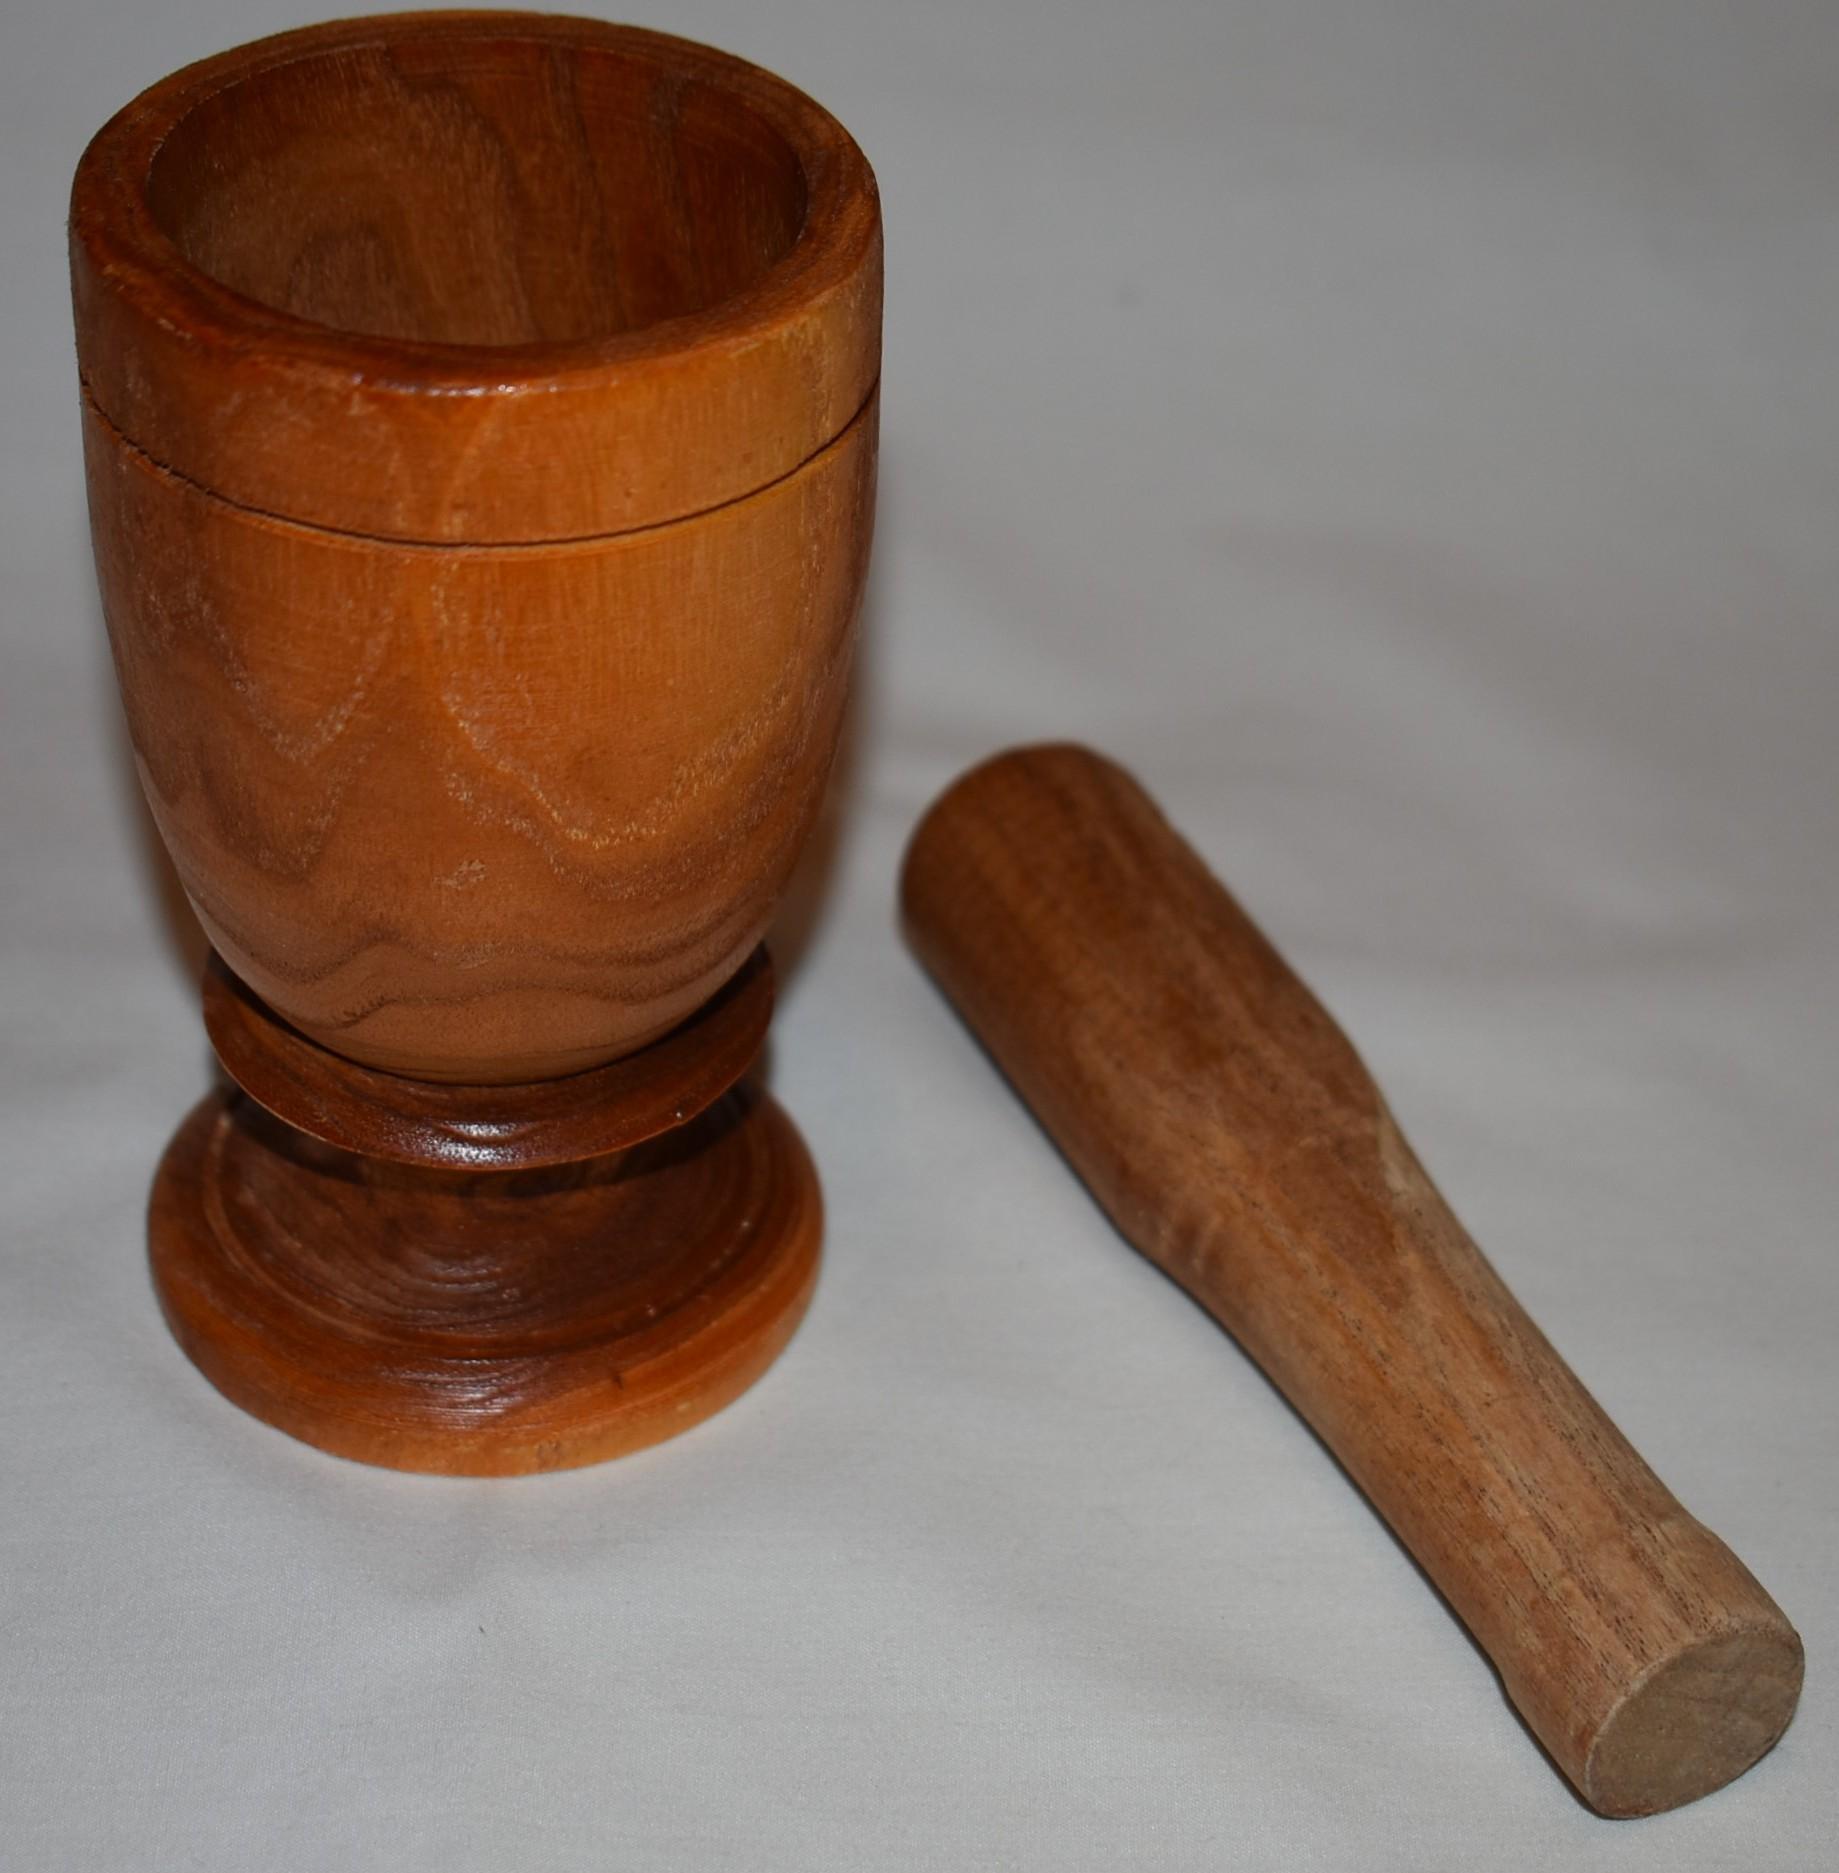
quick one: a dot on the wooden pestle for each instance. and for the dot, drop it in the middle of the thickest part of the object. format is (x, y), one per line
(1234, 1136)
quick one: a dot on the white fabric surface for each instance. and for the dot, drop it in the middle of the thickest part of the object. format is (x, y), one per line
(1409, 436)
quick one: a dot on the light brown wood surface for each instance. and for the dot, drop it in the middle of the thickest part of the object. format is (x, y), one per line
(499, 276)
(483, 813)
(489, 1128)
(481, 426)
(485, 1325)
(1234, 1136)
(479, 412)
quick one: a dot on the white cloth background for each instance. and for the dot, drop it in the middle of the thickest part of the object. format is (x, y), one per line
(1409, 436)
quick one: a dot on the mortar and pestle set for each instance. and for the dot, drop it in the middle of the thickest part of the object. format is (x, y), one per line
(480, 419)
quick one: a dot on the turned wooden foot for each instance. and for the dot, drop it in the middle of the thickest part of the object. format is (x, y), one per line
(485, 1281)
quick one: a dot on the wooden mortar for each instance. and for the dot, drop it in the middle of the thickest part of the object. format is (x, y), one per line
(480, 418)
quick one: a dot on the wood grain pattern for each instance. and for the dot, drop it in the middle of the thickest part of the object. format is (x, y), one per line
(498, 780)
(479, 412)
(483, 814)
(484, 1325)
(1235, 1137)
(505, 276)
(490, 1128)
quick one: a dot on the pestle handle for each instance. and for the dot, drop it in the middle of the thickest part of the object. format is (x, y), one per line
(1234, 1136)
